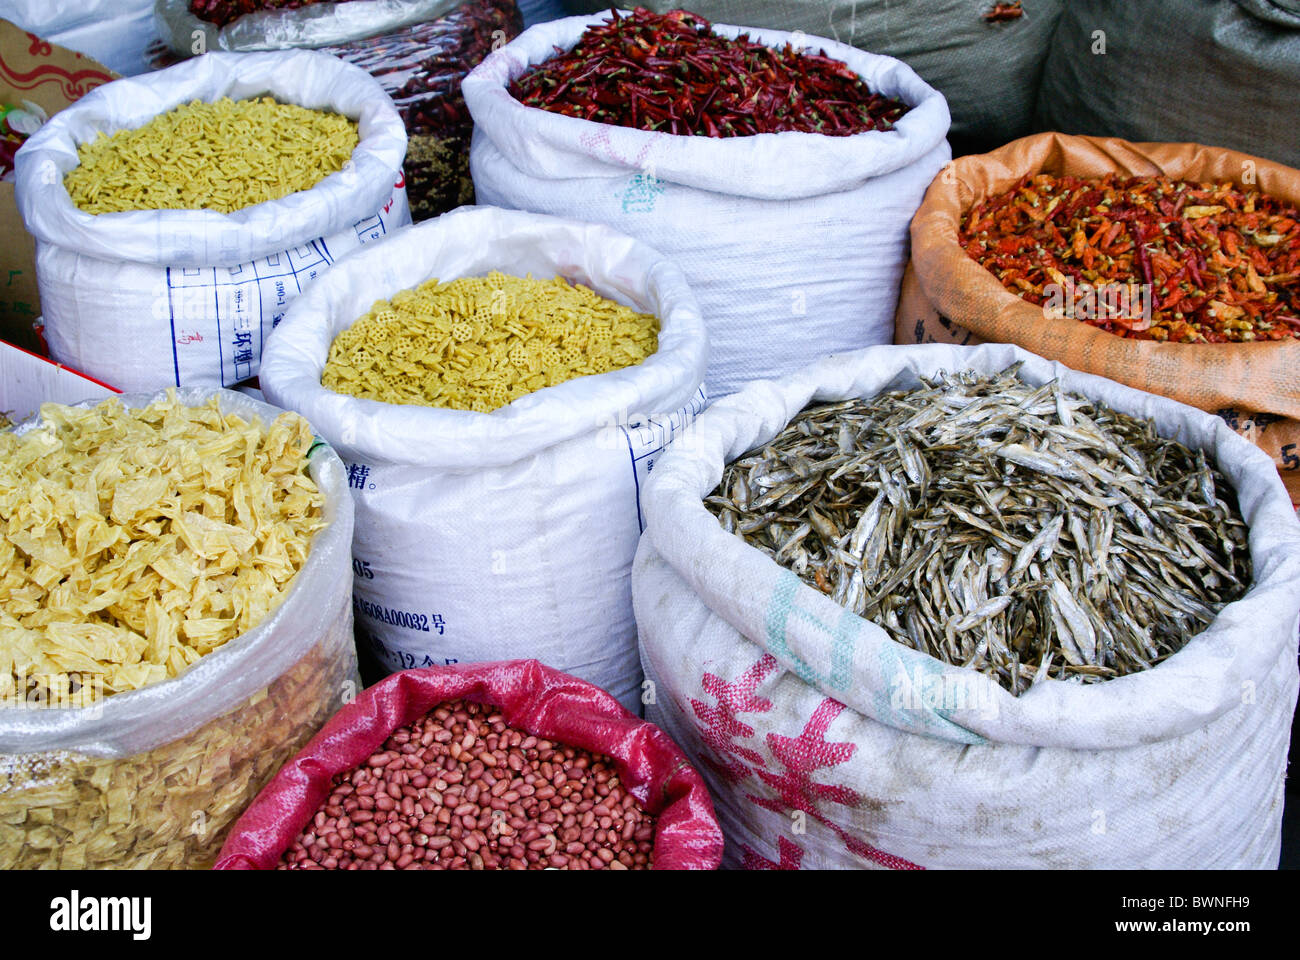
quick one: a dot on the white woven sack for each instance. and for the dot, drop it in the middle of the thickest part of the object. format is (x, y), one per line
(116, 33)
(492, 536)
(794, 243)
(154, 298)
(827, 744)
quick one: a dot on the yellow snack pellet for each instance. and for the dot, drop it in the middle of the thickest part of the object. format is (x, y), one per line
(479, 343)
(220, 156)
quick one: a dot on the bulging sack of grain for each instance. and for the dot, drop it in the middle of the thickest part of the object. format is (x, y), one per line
(144, 299)
(794, 242)
(490, 536)
(1254, 386)
(154, 777)
(533, 698)
(826, 743)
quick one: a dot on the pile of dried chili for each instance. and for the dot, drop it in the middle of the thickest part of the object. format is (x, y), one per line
(1221, 263)
(670, 72)
(222, 12)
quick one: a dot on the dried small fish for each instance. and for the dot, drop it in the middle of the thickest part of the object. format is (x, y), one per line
(1019, 530)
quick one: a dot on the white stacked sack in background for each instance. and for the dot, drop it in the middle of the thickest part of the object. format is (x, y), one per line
(151, 298)
(154, 778)
(491, 536)
(117, 33)
(794, 243)
(827, 744)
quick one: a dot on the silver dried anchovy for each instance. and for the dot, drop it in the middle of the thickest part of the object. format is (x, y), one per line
(1022, 531)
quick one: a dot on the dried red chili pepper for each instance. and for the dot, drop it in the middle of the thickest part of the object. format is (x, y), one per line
(670, 72)
(1002, 12)
(1222, 263)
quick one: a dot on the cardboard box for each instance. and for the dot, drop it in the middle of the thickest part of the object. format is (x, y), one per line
(27, 381)
(32, 69)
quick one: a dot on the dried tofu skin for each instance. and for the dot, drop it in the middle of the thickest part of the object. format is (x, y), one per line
(134, 542)
(171, 807)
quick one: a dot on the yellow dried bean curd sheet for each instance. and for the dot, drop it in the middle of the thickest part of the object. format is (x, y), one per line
(478, 343)
(220, 156)
(171, 807)
(134, 542)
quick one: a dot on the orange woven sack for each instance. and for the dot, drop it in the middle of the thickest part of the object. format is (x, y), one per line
(947, 297)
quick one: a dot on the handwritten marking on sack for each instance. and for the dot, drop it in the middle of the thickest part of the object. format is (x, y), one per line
(1244, 421)
(20, 308)
(239, 305)
(400, 659)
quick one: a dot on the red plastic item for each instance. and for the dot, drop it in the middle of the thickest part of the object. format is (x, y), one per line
(532, 697)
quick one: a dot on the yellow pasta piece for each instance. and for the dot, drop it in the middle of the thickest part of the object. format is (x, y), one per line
(479, 343)
(220, 156)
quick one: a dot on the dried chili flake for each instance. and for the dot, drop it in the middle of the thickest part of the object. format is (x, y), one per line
(1220, 263)
(670, 72)
(1002, 12)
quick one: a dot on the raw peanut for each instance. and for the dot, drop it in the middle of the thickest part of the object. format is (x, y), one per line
(458, 789)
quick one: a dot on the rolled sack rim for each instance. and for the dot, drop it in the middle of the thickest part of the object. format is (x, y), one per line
(442, 438)
(757, 166)
(1183, 693)
(136, 721)
(938, 252)
(203, 237)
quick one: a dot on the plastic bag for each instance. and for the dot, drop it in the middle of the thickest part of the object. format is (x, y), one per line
(794, 242)
(315, 25)
(418, 50)
(491, 536)
(149, 298)
(787, 702)
(1255, 386)
(533, 697)
(155, 777)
